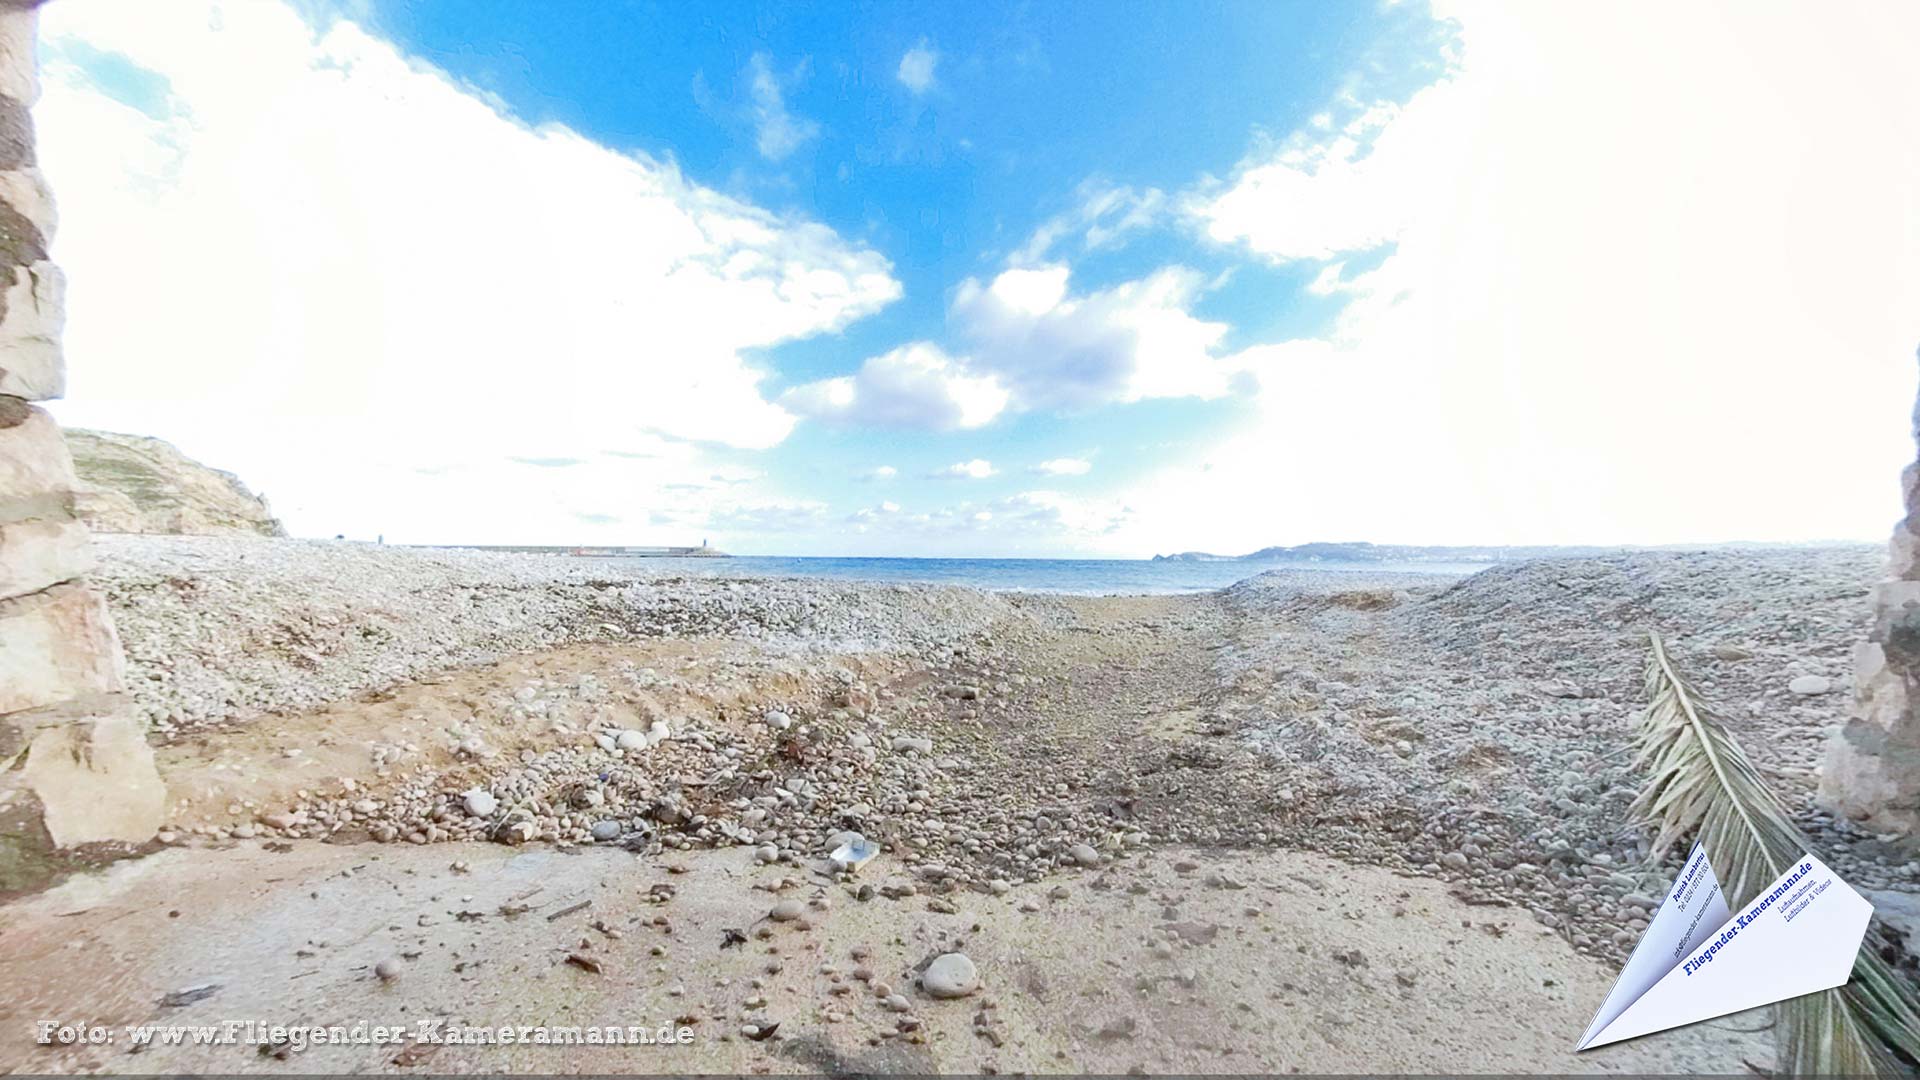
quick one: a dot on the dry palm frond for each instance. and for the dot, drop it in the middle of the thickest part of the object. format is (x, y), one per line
(1698, 778)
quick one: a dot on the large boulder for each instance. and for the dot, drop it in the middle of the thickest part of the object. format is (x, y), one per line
(137, 484)
(57, 645)
(96, 781)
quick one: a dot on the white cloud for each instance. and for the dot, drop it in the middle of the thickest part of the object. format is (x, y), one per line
(1031, 523)
(1049, 513)
(771, 519)
(916, 68)
(1330, 279)
(1102, 216)
(1065, 466)
(1034, 344)
(914, 386)
(1053, 349)
(976, 469)
(1320, 194)
(868, 518)
(304, 256)
(1678, 306)
(879, 473)
(1026, 523)
(777, 131)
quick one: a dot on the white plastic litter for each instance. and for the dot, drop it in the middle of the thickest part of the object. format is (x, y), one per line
(857, 852)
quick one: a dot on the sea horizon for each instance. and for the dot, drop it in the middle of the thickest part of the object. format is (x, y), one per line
(1108, 575)
(1082, 577)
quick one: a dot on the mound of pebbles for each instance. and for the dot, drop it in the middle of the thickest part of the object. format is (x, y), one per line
(1483, 732)
(222, 629)
(793, 784)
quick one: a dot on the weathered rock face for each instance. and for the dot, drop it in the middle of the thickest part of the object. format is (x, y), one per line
(1873, 769)
(137, 484)
(75, 767)
(58, 644)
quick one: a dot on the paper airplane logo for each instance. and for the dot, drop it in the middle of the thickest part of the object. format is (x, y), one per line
(1698, 961)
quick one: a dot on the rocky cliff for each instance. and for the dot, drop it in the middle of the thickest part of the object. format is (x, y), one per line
(136, 484)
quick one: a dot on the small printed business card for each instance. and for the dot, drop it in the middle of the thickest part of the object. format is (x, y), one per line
(1698, 960)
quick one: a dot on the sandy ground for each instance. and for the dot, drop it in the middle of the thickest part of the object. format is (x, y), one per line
(1310, 964)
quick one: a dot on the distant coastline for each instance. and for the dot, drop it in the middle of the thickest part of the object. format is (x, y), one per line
(1362, 552)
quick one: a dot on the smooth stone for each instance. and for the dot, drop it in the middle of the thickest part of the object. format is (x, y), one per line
(787, 911)
(480, 803)
(1809, 685)
(1084, 855)
(951, 975)
(630, 740)
(606, 830)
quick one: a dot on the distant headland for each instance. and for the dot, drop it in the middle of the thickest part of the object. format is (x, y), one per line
(1357, 551)
(1361, 552)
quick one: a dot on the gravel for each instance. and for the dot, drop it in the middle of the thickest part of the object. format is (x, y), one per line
(221, 629)
(1476, 729)
(1482, 729)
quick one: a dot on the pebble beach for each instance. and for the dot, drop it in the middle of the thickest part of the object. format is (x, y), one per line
(1004, 752)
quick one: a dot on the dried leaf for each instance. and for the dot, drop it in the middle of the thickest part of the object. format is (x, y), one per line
(1698, 778)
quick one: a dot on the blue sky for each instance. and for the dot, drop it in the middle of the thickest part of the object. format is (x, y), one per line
(1027, 105)
(994, 279)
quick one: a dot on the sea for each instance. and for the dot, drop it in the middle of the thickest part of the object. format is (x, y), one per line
(1086, 577)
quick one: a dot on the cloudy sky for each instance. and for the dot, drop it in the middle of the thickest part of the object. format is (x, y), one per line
(1001, 279)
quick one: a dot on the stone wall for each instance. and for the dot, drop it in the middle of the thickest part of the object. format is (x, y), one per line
(1873, 769)
(74, 763)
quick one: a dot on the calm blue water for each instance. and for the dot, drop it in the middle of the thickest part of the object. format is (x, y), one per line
(1083, 576)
